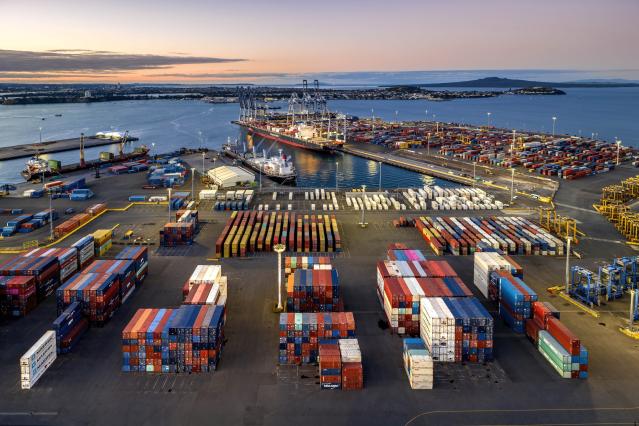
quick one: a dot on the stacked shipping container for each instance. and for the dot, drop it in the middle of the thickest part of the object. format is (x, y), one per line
(418, 363)
(456, 329)
(313, 290)
(557, 344)
(254, 231)
(467, 235)
(184, 340)
(402, 284)
(300, 334)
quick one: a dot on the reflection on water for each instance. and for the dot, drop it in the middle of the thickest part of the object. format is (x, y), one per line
(322, 169)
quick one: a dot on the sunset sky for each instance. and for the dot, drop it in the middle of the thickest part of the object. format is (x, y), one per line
(245, 40)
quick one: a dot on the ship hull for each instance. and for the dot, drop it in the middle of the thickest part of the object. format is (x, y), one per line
(282, 179)
(27, 175)
(288, 140)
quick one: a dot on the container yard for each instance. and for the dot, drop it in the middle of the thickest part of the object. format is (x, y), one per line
(457, 321)
(563, 156)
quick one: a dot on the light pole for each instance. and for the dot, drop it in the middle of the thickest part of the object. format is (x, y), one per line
(488, 114)
(40, 129)
(336, 174)
(554, 121)
(618, 150)
(426, 112)
(380, 176)
(203, 156)
(362, 223)
(199, 132)
(152, 149)
(192, 183)
(512, 184)
(50, 216)
(568, 240)
(260, 176)
(474, 172)
(633, 296)
(279, 248)
(428, 143)
(170, 206)
(396, 116)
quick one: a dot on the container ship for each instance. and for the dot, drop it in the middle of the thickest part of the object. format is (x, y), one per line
(36, 167)
(278, 168)
(298, 136)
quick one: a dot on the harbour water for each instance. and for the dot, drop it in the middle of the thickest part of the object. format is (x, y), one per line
(174, 124)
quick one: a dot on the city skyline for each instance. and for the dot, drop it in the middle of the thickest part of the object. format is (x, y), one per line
(200, 42)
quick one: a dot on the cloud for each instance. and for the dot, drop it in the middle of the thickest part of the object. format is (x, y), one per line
(220, 75)
(94, 61)
(34, 75)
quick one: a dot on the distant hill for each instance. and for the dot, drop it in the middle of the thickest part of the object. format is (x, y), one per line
(510, 83)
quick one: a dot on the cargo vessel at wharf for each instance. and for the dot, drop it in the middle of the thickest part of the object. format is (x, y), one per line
(40, 168)
(278, 168)
(307, 124)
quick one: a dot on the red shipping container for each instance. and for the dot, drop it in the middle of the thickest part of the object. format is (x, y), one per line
(563, 335)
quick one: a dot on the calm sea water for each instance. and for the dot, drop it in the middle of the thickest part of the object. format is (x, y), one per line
(174, 124)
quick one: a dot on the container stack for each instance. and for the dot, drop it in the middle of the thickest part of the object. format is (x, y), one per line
(37, 360)
(203, 274)
(69, 327)
(300, 333)
(97, 293)
(560, 346)
(78, 220)
(124, 270)
(17, 295)
(352, 370)
(292, 263)
(484, 264)
(85, 247)
(255, 231)
(330, 365)
(402, 284)
(168, 175)
(401, 252)
(187, 216)
(505, 234)
(418, 363)
(313, 290)
(176, 234)
(95, 209)
(102, 241)
(140, 257)
(67, 259)
(204, 294)
(184, 340)
(45, 270)
(515, 299)
(456, 329)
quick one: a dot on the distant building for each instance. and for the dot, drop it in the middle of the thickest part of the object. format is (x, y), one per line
(227, 176)
(87, 93)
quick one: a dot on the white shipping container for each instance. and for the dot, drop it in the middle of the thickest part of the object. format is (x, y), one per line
(37, 360)
(437, 328)
(87, 252)
(206, 274)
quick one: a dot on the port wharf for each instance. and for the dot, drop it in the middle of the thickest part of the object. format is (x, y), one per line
(47, 147)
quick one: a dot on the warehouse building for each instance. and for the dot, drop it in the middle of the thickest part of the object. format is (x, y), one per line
(227, 176)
